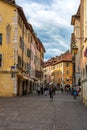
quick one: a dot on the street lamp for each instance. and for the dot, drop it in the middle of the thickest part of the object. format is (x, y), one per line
(74, 49)
(74, 52)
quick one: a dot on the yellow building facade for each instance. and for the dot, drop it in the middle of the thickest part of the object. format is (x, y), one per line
(63, 70)
(14, 50)
(59, 70)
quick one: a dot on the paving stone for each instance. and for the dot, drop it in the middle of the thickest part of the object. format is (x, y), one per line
(40, 113)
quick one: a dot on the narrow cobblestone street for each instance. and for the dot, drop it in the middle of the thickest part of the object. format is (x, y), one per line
(40, 113)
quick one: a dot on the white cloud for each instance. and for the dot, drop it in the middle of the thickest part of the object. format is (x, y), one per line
(51, 21)
(54, 51)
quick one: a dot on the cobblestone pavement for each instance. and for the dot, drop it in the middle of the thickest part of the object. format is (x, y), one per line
(40, 113)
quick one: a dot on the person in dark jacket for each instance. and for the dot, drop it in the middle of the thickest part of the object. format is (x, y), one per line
(51, 92)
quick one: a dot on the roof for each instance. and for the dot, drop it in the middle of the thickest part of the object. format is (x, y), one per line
(35, 37)
(28, 25)
(11, 1)
(41, 44)
(20, 10)
(66, 57)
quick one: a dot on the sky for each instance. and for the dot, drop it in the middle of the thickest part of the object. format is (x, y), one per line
(51, 21)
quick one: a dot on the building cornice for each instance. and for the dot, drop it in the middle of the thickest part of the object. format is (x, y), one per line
(76, 16)
(20, 11)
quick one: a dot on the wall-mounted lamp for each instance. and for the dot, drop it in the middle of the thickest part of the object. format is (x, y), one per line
(74, 49)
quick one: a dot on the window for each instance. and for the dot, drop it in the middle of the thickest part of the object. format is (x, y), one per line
(21, 44)
(67, 64)
(31, 39)
(67, 79)
(20, 22)
(8, 33)
(42, 55)
(28, 52)
(19, 61)
(0, 60)
(0, 39)
(86, 71)
(67, 71)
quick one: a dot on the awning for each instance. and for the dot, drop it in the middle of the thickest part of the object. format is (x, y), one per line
(22, 76)
(31, 80)
(34, 78)
(26, 78)
(50, 83)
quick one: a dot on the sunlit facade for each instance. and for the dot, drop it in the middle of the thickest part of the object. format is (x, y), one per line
(59, 70)
(76, 40)
(21, 53)
(80, 32)
(83, 32)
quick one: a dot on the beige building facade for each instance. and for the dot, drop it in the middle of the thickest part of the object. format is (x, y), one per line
(39, 61)
(83, 32)
(75, 40)
(81, 38)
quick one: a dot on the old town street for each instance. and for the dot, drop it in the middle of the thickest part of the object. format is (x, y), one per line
(40, 113)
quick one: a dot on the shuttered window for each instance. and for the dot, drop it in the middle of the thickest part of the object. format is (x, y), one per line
(0, 60)
(0, 39)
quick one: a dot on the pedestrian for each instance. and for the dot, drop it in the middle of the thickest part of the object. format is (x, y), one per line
(61, 89)
(72, 91)
(46, 91)
(51, 92)
(54, 89)
(75, 93)
(41, 89)
(38, 90)
(79, 90)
